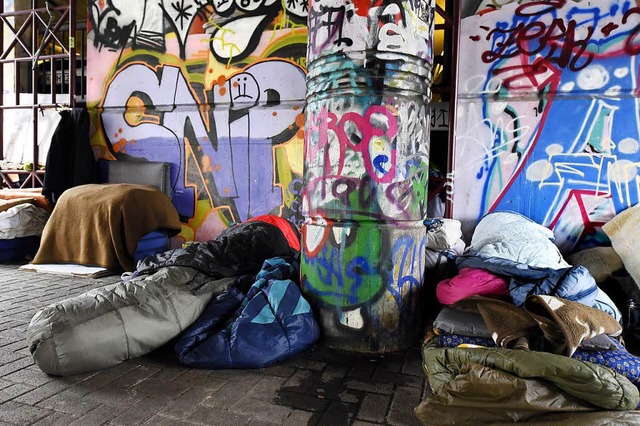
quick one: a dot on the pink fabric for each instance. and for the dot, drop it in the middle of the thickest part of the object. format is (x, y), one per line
(471, 282)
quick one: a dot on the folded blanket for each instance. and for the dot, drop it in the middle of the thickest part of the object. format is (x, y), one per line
(101, 224)
(576, 321)
(545, 323)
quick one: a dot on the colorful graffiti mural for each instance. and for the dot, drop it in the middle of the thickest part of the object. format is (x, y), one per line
(366, 169)
(548, 115)
(217, 88)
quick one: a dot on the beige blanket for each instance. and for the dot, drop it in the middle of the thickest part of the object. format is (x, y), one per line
(624, 232)
(100, 224)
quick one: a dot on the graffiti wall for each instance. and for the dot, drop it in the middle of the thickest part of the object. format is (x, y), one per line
(366, 169)
(548, 115)
(216, 88)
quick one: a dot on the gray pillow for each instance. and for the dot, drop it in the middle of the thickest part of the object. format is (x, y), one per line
(452, 321)
(601, 342)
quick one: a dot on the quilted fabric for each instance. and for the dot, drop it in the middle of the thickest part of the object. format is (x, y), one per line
(619, 360)
(271, 323)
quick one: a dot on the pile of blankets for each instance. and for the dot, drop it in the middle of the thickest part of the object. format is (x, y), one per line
(22, 220)
(525, 336)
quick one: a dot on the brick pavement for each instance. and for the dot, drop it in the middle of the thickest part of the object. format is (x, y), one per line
(321, 387)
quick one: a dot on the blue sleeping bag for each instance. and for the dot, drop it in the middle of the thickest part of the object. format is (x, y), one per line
(271, 323)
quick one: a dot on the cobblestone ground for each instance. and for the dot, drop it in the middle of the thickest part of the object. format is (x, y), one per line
(319, 387)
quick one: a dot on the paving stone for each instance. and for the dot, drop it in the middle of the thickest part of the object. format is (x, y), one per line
(11, 336)
(142, 411)
(92, 383)
(13, 412)
(298, 417)
(413, 363)
(402, 418)
(5, 384)
(301, 381)
(279, 370)
(238, 375)
(266, 388)
(333, 357)
(165, 421)
(135, 376)
(228, 394)
(209, 382)
(153, 387)
(41, 393)
(19, 348)
(374, 408)
(337, 392)
(381, 388)
(214, 417)
(301, 401)
(125, 367)
(56, 419)
(334, 373)
(338, 413)
(185, 404)
(29, 377)
(363, 371)
(392, 361)
(405, 399)
(261, 410)
(68, 404)
(14, 390)
(115, 396)
(398, 379)
(170, 373)
(14, 366)
(98, 416)
(300, 361)
(260, 422)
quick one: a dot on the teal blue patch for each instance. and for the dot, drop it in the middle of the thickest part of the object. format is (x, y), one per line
(302, 307)
(276, 293)
(265, 316)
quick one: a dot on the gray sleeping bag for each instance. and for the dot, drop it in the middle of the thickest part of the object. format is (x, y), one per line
(108, 325)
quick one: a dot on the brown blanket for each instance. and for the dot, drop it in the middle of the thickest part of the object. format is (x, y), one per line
(101, 224)
(562, 324)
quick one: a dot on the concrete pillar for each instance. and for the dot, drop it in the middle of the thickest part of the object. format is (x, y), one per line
(366, 169)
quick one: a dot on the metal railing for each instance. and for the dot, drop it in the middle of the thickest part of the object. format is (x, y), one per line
(42, 47)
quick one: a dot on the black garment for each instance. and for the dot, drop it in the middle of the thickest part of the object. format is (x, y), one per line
(241, 249)
(70, 161)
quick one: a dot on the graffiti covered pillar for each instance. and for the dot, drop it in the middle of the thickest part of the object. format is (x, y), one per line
(366, 169)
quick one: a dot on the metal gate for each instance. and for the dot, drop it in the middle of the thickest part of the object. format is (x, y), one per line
(42, 69)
